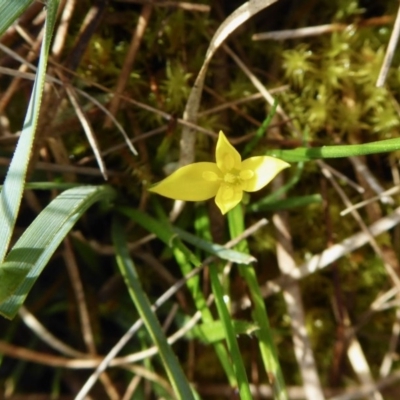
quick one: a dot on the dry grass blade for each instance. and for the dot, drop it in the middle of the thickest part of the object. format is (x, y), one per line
(52, 79)
(318, 30)
(292, 295)
(13, 87)
(389, 52)
(258, 85)
(42, 333)
(333, 253)
(390, 355)
(90, 135)
(236, 19)
(358, 360)
(388, 266)
(370, 179)
(46, 166)
(385, 193)
(129, 60)
(60, 36)
(184, 5)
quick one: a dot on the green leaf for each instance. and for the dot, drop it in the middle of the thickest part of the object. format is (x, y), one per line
(168, 233)
(177, 378)
(214, 249)
(213, 332)
(266, 343)
(10, 11)
(13, 187)
(30, 254)
(286, 204)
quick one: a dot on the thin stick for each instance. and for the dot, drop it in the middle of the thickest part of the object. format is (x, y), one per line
(328, 256)
(394, 37)
(87, 332)
(294, 304)
(388, 192)
(370, 179)
(389, 268)
(318, 30)
(184, 5)
(256, 82)
(43, 334)
(87, 127)
(129, 60)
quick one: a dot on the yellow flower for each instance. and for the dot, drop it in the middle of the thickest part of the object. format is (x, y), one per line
(226, 179)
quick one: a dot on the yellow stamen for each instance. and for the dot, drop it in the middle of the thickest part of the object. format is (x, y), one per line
(246, 174)
(228, 162)
(230, 178)
(210, 176)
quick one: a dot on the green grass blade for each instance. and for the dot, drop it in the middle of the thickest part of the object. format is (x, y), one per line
(260, 131)
(168, 233)
(186, 261)
(265, 339)
(10, 11)
(127, 268)
(30, 254)
(13, 187)
(213, 332)
(286, 204)
(230, 336)
(276, 195)
(214, 249)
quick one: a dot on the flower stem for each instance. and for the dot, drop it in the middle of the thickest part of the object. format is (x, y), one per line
(237, 361)
(266, 343)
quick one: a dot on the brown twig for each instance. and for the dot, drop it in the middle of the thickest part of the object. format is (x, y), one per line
(129, 61)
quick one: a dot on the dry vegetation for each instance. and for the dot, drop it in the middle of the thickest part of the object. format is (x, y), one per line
(139, 72)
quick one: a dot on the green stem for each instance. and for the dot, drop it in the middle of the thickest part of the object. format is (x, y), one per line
(260, 131)
(276, 195)
(172, 366)
(350, 150)
(237, 361)
(186, 260)
(266, 343)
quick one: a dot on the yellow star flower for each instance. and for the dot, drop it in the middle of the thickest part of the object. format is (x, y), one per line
(226, 179)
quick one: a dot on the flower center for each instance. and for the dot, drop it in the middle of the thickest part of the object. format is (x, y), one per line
(231, 181)
(236, 178)
(230, 178)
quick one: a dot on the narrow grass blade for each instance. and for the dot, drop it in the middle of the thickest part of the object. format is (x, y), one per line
(276, 195)
(13, 187)
(186, 261)
(214, 249)
(127, 268)
(30, 254)
(265, 339)
(214, 331)
(233, 346)
(260, 131)
(169, 233)
(292, 202)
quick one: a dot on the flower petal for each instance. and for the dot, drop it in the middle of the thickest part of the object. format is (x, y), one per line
(226, 155)
(265, 169)
(227, 198)
(190, 183)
